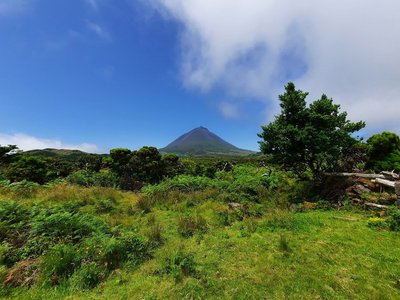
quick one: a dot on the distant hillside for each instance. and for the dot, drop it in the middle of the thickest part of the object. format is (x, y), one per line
(202, 142)
(59, 153)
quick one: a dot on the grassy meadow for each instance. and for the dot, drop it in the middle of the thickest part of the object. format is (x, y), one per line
(181, 240)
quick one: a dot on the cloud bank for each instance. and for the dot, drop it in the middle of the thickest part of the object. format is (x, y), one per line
(26, 142)
(346, 49)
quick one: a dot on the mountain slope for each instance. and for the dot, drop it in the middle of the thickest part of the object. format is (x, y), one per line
(58, 153)
(201, 141)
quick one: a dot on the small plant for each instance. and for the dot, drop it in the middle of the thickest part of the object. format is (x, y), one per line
(188, 226)
(59, 263)
(104, 205)
(111, 252)
(88, 276)
(180, 265)
(144, 204)
(154, 235)
(377, 223)
(394, 220)
(223, 217)
(4, 248)
(251, 225)
(284, 244)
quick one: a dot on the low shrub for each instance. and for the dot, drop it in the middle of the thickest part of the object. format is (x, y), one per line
(59, 263)
(23, 189)
(250, 225)
(14, 230)
(104, 205)
(189, 225)
(377, 223)
(154, 235)
(88, 276)
(284, 244)
(111, 252)
(55, 225)
(394, 220)
(89, 178)
(179, 264)
(145, 203)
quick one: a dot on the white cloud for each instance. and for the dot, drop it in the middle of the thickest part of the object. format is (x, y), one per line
(99, 30)
(93, 4)
(229, 110)
(26, 142)
(346, 49)
(12, 7)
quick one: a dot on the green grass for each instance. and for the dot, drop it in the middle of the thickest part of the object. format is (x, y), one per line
(273, 254)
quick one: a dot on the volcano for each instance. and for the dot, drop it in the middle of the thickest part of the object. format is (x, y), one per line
(202, 142)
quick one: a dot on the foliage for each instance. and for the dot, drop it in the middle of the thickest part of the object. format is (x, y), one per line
(29, 168)
(154, 233)
(144, 204)
(59, 263)
(232, 252)
(184, 183)
(88, 276)
(179, 264)
(52, 226)
(69, 243)
(146, 165)
(317, 137)
(89, 178)
(23, 189)
(377, 223)
(5, 152)
(189, 225)
(384, 152)
(394, 220)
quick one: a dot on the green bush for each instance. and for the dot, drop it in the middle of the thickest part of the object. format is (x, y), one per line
(88, 178)
(179, 265)
(111, 252)
(14, 230)
(244, 182)
(184, 183)
(394, 220)
(52, 226)
(377, 223)
(13, 215)
(145, 203)
(4, 248)
(154, 235)
(284, 244)
(23, 189)
(104, 205)
(59, 263)
(30, 168)
(88, 276)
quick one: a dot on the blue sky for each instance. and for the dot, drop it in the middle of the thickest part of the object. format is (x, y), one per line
(99, 74)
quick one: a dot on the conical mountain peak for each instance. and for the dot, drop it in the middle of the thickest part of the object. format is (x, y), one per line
(201, 141)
